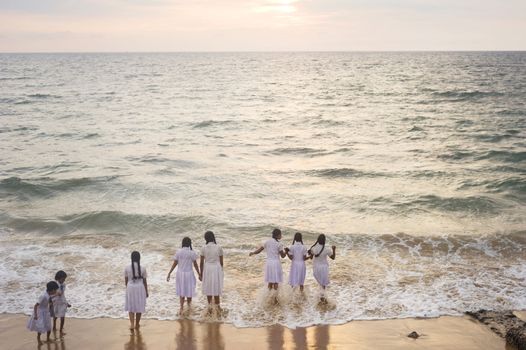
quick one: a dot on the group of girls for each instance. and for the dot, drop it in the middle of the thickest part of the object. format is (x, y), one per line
(51, 304)
(210, 270)
(298, 253)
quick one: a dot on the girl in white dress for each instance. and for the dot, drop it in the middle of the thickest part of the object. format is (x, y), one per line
(40, 321)
(274, 249)
(211, 266)
(320, 265)
(60, 304)
(184, 278)
(298, 254)
(136, 290)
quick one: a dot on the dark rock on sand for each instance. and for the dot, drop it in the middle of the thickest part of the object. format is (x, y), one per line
(413, 335)
(505, 324)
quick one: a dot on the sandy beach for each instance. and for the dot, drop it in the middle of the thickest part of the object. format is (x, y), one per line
(437, 333)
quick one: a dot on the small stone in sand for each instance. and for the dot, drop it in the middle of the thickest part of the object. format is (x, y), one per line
(413, 335)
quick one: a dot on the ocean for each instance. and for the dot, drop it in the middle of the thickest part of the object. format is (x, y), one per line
(412, 163)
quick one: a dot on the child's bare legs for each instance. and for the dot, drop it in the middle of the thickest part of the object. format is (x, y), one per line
(209, 298)
(62, 320)
(137, 320)
(323, 299)
(181, 303)
(301, 288)
(132, 319)
(217, 301)
(54, 323)
(38, 339)
(48, 339)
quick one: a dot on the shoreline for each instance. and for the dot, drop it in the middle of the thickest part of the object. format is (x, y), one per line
(462, 332)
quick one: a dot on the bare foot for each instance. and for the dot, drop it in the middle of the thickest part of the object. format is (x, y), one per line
(62, 333)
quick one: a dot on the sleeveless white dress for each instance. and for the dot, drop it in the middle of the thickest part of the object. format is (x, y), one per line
(273, 271)
(212, 270)
(184, 278)
(135, 291)
(297, 267)
(320, 265)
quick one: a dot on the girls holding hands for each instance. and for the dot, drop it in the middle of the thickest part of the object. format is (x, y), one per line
(320, 266)
(274, 250)
(211, 266)
(298, 254)
(184, 279)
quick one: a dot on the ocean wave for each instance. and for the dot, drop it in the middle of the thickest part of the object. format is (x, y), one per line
(102, 222)
(471, 205)
(304, 151)
(459, 96)
(337, 173)
(27, 189)
(505, 156)
(211, 123)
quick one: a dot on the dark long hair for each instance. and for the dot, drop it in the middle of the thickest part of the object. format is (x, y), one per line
(276, 233)
(136, 258)
(210, 237)
(187, 242)
(320, 241)
(297, 238)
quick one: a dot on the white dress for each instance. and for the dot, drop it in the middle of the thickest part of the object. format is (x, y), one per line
(184, 277)
(297, 267)
(273, 271)
(60, 304)
(135, 290)
(320, 265)
(43, 323)
(212, 270)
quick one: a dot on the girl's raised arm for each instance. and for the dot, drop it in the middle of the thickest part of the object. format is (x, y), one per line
(169, 273)
(257, 251)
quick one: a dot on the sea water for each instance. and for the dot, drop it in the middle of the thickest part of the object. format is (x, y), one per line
(412, 164)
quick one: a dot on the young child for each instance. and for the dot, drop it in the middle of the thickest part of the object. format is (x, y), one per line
(60, 304)
(184, 278)
(274, 249)
(298, 254)
(320, 265)
(211, 266)
(40, 321)
(136, 290)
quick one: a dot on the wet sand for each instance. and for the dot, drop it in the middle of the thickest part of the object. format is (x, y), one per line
(108, 334)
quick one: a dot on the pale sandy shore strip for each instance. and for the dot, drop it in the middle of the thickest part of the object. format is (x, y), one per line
(108, 334)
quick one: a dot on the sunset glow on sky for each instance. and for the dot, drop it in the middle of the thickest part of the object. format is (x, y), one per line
(261, 25)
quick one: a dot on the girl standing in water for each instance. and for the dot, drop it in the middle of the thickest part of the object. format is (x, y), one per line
(136, 290)
(184, 278)
(274, 249)
(211, 266)
(40, 321)
(298, 254)
(60, 304)
(320, 265)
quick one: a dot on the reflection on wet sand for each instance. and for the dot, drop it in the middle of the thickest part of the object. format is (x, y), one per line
(299, 336)
(275, 337)
(322, 337)
(185, 338)
(213, 338)
(135, 342)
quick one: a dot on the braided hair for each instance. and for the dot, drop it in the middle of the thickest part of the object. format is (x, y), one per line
(320, 241)
(187, 242)
(210, 237)
(136, 258)
(297, 238)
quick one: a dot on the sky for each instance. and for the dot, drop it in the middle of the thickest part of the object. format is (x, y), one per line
(261, 25)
